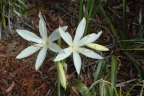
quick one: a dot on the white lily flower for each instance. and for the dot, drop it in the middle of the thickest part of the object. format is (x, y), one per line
(40, 43)
(75, 46)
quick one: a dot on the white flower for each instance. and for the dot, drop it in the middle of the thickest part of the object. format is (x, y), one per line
(40, 43)
(75, 46)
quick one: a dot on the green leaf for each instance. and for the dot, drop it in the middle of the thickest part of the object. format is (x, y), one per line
(106, 77)
(114, 64)
(101, 64)
(106, 87)
(82, 88)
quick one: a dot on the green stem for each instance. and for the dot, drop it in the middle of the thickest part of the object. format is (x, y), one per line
(58, 85)
(91, 4)
(2, 14)
(96, 8)
(117, 39)
(135, 64)
(109, 22)
(114, 64)
(58, 82)
(124, 23)
(128, 92)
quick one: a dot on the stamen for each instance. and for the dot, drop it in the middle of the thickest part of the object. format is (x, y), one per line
(47, 43)
(34, 44)
(88, 36)
(72, 46)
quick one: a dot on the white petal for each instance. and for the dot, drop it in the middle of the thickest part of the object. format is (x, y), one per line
(29, 36)
(67, 52)
(55, 34)
(55, 48)
(42, 27)
(28, 51)
(77, 61)
(69, 36)
(80, 30)
(89, 39)
(64, 28)
(40, 58)
(97, 47)
(90, 53)
(65, 36)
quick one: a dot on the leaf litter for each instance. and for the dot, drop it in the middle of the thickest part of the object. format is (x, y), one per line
(19, 78)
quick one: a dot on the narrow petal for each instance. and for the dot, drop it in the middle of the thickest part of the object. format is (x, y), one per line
(40, 58)
(29, 36)
(80, 30)
(77, 62)
(65, 36)
(64, 28)
(90, 53)
(89, 38)
(69, 36)
(28, 51)
(67, 52)
(55, 34)
(55, 48)
(42, 27)
(97, 47)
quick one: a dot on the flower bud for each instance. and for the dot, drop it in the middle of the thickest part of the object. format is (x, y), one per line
(61, 74)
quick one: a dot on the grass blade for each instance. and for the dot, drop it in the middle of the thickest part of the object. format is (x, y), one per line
(91, 4)
(101, 64)
(108, 21)
(114, 65)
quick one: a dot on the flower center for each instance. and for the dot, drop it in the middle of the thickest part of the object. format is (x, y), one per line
(74, 47)
(42, 44)
(47, 43)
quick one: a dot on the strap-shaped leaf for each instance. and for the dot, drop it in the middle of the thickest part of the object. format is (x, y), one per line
(82, 88)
